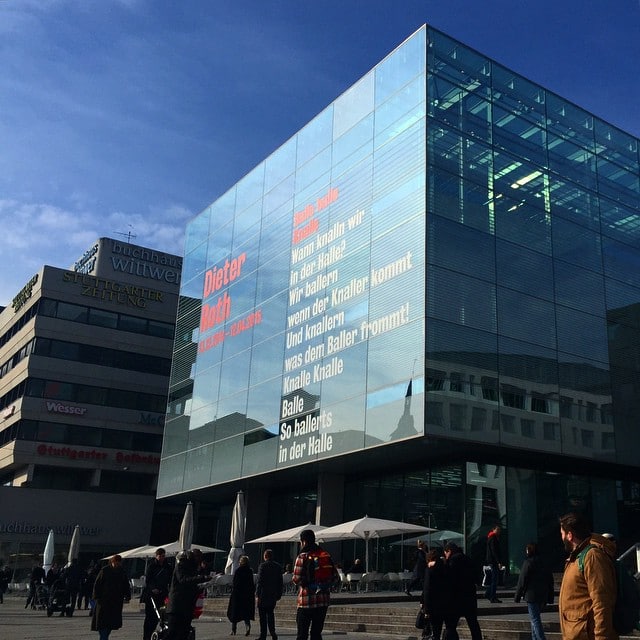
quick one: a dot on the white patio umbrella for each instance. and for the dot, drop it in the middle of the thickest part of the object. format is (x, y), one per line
(171, 549)
(74, 545)
(288, 535)
(238, 526)
(367, 528)
(47, 556)
(434, 536)
(186, 528)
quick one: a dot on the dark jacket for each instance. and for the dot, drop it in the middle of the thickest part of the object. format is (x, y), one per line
(183, 590)
(420, 565)
(110, 590)
(493, 549)
(436, 598)
(242, 605)
(269, 583)
(535, 583)
(462, 575)
(157, 580)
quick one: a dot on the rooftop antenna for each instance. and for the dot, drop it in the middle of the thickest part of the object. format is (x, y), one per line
(128, 235)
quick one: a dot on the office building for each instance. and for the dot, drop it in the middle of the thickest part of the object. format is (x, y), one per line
(85, 357)
(423, 306)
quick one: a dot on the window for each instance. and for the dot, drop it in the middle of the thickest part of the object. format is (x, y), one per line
(508, 423)
(566, 407)
(539, 403)
(456, 382)
(435, 380)
(489, 388)
(513, 396)
(528, 428)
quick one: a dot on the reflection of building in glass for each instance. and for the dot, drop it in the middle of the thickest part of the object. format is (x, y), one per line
(427, 295)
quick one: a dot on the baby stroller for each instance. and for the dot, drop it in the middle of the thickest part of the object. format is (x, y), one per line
(162, 630)
(59, 599)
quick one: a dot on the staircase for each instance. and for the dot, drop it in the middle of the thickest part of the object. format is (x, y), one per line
(393, 615)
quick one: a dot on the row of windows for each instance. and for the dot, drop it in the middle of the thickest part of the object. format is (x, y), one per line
(41, 431)
(89, 315)
(86, 394)
(90, 354)
(509, 395)
(66, 479)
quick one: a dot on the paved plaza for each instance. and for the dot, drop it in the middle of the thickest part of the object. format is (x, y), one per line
(18, 623)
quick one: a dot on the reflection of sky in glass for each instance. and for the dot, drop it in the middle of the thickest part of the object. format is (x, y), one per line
(395, 392)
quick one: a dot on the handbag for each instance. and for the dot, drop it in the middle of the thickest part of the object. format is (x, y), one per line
(421, 619)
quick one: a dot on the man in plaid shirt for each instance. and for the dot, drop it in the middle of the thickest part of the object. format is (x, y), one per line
(312, 602)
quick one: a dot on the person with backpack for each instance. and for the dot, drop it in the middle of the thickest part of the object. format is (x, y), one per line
(588, 590)
(314, 574)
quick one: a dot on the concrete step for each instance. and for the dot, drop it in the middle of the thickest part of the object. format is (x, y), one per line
(394, 617)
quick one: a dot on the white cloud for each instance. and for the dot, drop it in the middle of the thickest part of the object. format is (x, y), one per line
(42, 233)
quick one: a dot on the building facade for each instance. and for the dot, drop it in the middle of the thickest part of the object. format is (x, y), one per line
(423, 306)
(85, 357)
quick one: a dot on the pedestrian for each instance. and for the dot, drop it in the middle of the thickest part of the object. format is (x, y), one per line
(52, 575)
(419, 568)
(269, 585)
(36, 578)
(242, 605)
(183, 594)
(5, 577)
(535, 585)
(463, 585)
(157, 579)
(73, 576)
(110, 591)
(588, 590)
(493, 560)
(437, 598)
(314, 572)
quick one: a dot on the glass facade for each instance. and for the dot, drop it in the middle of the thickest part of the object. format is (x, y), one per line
(448, 252)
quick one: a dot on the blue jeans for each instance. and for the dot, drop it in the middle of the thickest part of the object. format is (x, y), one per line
(492, 587)
(537, 632)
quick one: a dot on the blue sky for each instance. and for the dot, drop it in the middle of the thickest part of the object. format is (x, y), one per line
(122, 116)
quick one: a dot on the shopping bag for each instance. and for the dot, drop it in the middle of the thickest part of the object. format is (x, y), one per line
(486, 575)
(199, 605)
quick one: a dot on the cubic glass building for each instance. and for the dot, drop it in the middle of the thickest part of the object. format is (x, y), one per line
(424, 306)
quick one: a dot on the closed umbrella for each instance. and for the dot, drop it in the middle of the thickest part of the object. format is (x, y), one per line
(47, 557)
(74, 546)
(238, 525)
(186, 528)
(367, 528)
(288, 535)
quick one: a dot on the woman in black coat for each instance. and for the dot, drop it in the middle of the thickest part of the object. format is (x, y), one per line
(110, 591)
(535, 585)
(242, 603)
(437, 597)
(183, 593)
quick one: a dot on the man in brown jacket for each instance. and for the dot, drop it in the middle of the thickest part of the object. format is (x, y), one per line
(588, 590)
